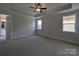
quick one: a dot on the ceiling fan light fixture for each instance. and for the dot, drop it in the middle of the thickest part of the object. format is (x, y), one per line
(38, 9)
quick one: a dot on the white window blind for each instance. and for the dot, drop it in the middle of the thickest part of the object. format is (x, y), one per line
(69, 23)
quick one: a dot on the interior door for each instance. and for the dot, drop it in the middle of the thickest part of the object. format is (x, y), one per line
(8, 27)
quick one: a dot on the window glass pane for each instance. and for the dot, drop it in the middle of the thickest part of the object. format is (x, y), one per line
(72, 19)
(39, 24)
(69, 27)
(65, 19)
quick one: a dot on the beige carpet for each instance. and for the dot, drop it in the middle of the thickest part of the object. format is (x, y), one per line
(36, 46)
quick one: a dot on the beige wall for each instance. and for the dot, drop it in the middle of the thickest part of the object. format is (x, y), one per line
(52, 27)
(23, 24)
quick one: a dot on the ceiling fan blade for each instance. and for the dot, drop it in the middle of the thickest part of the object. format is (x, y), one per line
(31, 7)
(43, 8)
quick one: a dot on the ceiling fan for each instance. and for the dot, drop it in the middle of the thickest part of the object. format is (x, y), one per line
(38, 7)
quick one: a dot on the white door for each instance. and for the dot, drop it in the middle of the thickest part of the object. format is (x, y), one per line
(8, 27)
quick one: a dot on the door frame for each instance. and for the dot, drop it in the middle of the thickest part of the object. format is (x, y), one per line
(9, 29)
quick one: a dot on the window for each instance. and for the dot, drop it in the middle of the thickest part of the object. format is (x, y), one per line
(69, 23)
(39, 24)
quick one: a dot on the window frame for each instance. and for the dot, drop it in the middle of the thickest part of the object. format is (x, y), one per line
(69, 23)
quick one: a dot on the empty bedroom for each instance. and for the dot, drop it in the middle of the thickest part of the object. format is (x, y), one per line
(40, 29)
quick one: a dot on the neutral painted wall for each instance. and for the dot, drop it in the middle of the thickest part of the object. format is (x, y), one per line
(22, 24)
(52, 27)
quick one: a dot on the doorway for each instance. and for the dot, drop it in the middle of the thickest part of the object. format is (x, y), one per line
(2, 27)
(5, 27)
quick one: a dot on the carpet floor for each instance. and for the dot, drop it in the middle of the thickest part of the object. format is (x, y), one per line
(37, 46)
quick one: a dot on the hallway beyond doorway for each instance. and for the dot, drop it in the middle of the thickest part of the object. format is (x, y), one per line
(3, 34)
(2, 27)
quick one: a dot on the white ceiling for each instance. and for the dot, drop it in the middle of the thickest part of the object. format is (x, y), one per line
(24, 8)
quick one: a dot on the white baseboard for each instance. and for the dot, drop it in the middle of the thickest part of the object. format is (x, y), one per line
(48, 36)
(60, 38)
(21, 36)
